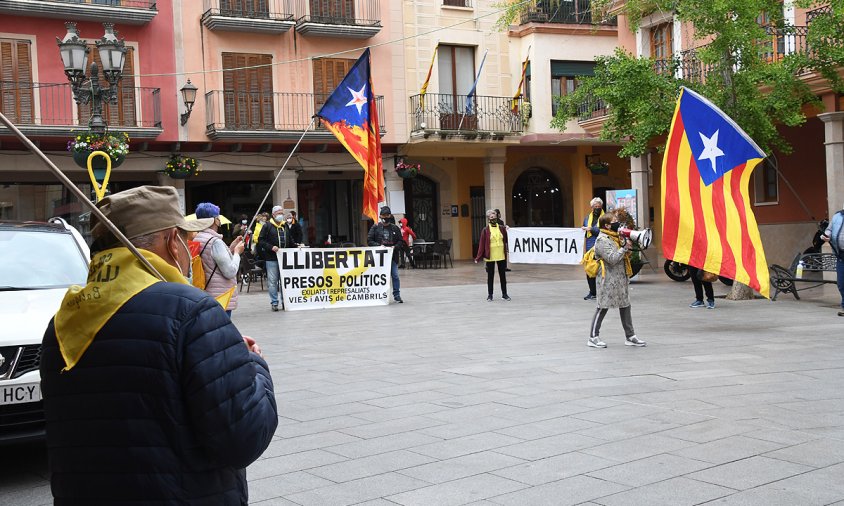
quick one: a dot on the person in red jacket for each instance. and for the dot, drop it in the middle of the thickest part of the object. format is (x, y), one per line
(408, 236)
(492, 247)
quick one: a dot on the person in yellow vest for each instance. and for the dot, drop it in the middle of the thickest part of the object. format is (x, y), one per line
(590, 227)
(492, 247)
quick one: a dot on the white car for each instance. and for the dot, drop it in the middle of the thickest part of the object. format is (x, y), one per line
(38, 262)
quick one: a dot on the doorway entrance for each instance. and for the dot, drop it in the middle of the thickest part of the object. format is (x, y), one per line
(421, 204)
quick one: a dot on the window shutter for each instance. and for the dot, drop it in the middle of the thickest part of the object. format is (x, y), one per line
(16, 95)
(572, 68)
(248, 93)
(328, 74)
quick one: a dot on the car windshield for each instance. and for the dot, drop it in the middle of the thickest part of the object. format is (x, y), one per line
(31, 259)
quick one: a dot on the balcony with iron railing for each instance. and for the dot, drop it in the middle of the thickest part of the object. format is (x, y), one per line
(591, 114)
(572, 12)
(49, 110)
(457, 3)
(354, 19)
(235, 115)
(127, 12)
(256, 16)
(480, 116)
(820, 11)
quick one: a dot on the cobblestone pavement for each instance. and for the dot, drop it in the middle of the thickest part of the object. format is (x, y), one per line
(449, 399)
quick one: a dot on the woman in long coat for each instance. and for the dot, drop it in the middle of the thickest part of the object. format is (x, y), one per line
(612, 252)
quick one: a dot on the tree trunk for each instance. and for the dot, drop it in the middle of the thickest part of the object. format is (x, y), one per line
(740, 292)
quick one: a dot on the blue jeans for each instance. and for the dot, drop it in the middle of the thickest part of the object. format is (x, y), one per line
(273, 276)
(839, 271)
(394, 273)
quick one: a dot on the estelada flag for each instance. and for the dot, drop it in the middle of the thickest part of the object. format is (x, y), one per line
(707, 220)
(350, 114)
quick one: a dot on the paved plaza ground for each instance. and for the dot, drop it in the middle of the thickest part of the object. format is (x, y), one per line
(449, 399)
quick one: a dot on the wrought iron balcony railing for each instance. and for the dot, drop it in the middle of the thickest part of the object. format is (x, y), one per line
(572, 12)
(443, 113)
(266, 16)
(49, 108)
(131, 12)
(820, 11)
(338, 18)
(591, 108)
(236, 114)
(457, 3)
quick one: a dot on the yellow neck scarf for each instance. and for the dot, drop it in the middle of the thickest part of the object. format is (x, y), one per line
(589, 224)
(618, 241)
(114, 277)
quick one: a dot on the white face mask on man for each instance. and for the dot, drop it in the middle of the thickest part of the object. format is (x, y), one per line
(189, 275)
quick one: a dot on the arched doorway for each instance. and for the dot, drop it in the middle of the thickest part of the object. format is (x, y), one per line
(420, 200)
(537, 200)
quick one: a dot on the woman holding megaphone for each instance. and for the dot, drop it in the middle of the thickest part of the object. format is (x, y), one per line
(612, 251)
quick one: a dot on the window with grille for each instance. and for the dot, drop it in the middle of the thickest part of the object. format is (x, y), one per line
(662, 46)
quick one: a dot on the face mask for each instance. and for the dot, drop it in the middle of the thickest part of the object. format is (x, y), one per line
(243, 222)
(384, 219)
(614, 226)
(189, 275)
(278, 218)
(289, 220)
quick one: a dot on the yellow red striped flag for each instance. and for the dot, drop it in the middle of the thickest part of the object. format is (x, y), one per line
(514, 104)
(424, 89)
(707, 220)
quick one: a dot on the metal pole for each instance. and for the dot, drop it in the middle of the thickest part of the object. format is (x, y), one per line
(81, 196)
(290, 155)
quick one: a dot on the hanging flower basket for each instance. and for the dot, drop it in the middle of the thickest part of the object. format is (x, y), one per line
(407, 170)
(599, 168)
(182, 167)
(114, 144)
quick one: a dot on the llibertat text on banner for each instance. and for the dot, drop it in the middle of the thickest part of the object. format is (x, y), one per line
(315, 278)
(541, 245)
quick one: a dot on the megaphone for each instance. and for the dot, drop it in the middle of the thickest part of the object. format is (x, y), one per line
(641, 237)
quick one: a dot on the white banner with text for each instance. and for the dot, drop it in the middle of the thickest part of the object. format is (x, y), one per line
(541, 245)
(315, 278)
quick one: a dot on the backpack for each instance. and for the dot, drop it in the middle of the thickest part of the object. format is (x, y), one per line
(198, 269)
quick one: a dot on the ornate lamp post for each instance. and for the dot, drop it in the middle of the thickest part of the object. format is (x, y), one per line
(74, 53)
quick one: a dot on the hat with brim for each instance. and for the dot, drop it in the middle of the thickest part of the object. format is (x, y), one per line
(145, 210)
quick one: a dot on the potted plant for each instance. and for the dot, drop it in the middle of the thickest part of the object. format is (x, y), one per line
(114, 144)
(181, 167)
(596, 166)
(407, 170)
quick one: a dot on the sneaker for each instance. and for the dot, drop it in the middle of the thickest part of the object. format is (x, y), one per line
(841, 313)
(696, 304)
(634, 341)
(506, 297)
(594, 342)
(589, 296)
(398, 299)
(274, 307)
(489, 298)
(710, 304)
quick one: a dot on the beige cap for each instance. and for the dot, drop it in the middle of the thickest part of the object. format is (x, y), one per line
(144, 210)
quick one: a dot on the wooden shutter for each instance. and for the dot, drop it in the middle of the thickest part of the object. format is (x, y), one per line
(16, 95)
(248, 94)
(332, 11)
(123, 113)
(328, 74)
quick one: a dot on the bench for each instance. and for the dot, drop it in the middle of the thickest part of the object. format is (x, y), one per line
(785, 280)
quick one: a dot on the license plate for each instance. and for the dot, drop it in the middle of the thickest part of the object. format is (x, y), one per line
(18, 394)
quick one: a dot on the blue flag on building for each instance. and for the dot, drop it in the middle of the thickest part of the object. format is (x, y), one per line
(470, 97)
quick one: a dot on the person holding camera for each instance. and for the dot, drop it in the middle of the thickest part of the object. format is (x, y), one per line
(387, 233)
(834, 235)
(612, 253)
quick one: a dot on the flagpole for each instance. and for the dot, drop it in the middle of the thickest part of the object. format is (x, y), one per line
(289, 156)
(81, 196)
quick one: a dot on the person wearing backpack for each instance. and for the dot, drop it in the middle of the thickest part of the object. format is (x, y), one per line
(274, 235)
(220, 263)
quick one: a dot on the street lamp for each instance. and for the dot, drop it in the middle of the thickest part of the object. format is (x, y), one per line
(74, 52)
(189, 97)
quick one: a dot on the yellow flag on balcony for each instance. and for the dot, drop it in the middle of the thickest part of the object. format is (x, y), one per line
(424, 89)
(514, 104)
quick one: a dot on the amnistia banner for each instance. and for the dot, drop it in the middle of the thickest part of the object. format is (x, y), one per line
(314, 278)
(541, 245)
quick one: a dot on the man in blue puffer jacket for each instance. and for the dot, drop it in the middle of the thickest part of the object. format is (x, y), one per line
(835, 235)
(151, 394)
